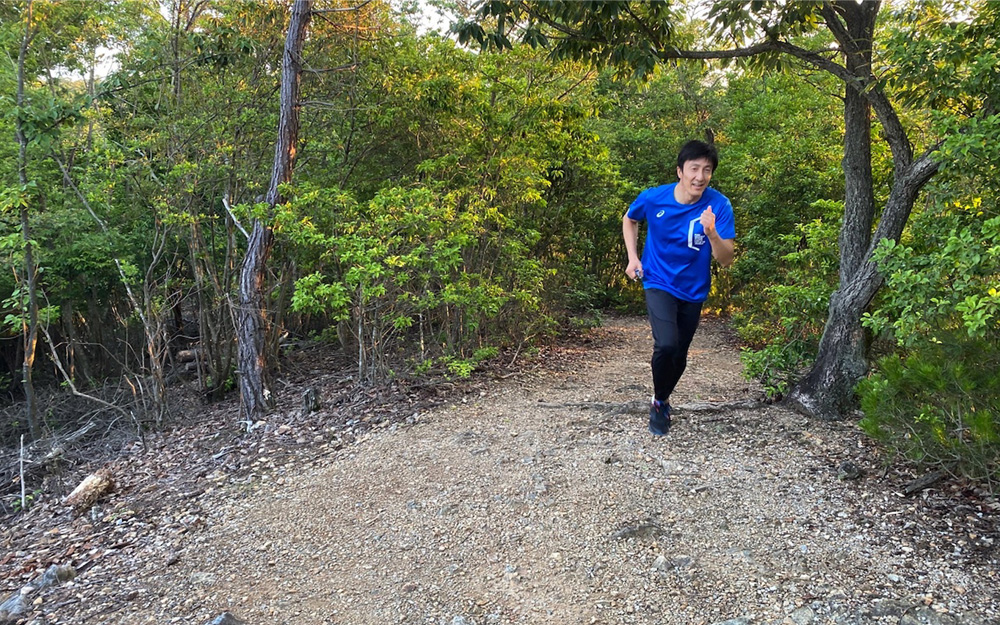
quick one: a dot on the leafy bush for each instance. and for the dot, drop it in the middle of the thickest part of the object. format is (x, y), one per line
(940, 403)
(946, 286)
(939, 406)
(784, 329)
(397, 265)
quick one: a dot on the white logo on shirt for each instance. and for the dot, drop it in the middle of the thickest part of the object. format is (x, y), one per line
(660, 214)
(695, 240)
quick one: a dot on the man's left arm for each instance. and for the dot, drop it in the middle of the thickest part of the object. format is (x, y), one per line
(724, 250)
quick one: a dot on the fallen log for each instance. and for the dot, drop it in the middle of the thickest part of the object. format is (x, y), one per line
(92, 488)
(924, 482)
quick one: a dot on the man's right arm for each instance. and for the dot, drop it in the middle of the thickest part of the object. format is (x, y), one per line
(630, 232)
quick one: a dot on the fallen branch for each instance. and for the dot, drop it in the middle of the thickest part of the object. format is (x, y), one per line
(35, 456)
(24, 499)
(641, 406)
(924, 482)
(713, 407)
(69, 380)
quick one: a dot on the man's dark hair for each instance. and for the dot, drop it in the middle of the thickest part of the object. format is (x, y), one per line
(693, 150)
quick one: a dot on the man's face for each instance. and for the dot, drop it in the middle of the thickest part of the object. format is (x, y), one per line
(694, 177)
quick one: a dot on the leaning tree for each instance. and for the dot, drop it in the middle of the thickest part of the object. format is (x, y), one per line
(838, 37)
(251, 315)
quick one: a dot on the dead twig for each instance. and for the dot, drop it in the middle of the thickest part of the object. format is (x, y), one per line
(24, 500)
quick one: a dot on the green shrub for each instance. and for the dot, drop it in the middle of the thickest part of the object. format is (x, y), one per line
(939, 403)
(938, 406)
(783, 329)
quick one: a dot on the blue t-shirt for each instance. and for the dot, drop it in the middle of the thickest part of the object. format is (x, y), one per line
(677, 256)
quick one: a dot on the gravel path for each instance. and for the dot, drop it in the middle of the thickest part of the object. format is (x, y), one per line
(537, 502)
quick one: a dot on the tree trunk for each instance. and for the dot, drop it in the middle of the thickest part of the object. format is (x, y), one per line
(251, 327)
(76, 353)
(859, 195)
(154, 327)
(827, 391)
(252, 313)
(30, 270)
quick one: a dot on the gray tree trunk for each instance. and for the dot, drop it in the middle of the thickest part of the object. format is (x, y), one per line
(30, 270)
(827, 390)
(251, 316)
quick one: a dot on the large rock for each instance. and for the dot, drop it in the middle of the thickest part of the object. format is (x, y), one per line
(12, 609)
(17, 604)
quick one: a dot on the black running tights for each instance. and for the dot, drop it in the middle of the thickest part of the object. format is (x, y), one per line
(673, 322)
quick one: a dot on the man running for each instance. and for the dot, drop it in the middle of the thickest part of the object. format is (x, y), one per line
(687, 223)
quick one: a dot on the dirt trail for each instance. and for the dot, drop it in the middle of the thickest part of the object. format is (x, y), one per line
(538, 503)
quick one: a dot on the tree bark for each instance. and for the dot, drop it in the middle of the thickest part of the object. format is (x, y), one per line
(30, 270)
(827, 390)
(252, 313)
(859, 198)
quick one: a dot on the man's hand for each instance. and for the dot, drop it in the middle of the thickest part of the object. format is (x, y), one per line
(708, 221)
(630, 232)
(722, 249)
(634, 270)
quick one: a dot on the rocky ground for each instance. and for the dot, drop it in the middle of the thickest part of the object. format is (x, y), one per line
(541, 498)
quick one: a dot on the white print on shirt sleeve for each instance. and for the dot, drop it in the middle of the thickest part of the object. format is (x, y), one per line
(695, 241)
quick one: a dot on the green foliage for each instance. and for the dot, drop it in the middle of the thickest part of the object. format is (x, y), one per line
(786, 225)
(15, 309)
(935, 400)
(483, 207)
(644, 125)
(939, 406)
(462, 368)
(443, 199)
(446, 200)
(784, 329)
(19, 505)
(948, 289)
(781, 148)
(400, 261)
(944, 56)
(641, 31)
(314, 296)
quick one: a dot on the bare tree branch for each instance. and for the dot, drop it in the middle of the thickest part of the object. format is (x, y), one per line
(837, 28)
(341, 9)
(236, 222)
(574, 86)
(339, 68)
(902, 152)
(69, 380)
(569, 32)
